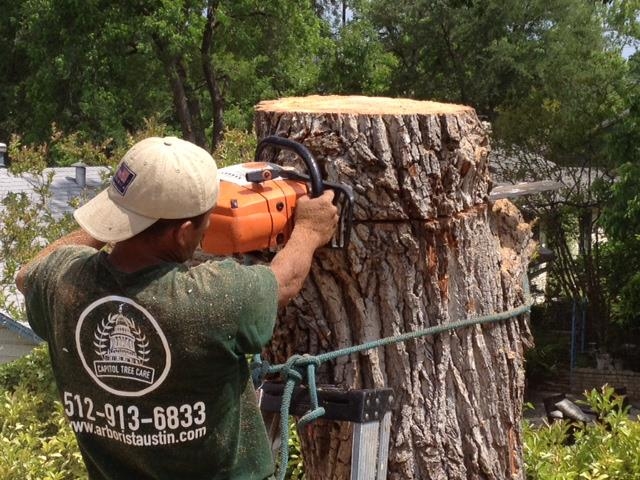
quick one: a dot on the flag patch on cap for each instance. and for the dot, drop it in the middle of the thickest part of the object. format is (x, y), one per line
(123, 178)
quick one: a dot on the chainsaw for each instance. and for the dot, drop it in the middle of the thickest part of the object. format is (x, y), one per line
(257, 200)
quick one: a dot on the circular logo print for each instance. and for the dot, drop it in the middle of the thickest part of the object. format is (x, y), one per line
(122, 347)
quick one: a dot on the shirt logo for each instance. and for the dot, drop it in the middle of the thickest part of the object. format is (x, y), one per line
(122, 346)
(123, 178)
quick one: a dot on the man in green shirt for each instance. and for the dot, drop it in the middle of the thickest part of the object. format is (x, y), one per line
(149, 354)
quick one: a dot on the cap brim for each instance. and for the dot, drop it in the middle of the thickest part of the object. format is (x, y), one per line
(106, 221)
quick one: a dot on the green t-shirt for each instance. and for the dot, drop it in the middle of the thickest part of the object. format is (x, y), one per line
(151, 365)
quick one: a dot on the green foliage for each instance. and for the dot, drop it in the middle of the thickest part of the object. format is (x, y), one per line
(545, 72)
(621, 222)
(27, 220)
(80, 63)
(548, 73)
(36, 440)
(238, 146)
(65, 150)
(102, 69)
(622, 213)
(357, 62)
(607, 449)
(266, 50)
(295, 468)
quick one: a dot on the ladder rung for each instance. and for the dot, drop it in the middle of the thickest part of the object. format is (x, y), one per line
(359, 406)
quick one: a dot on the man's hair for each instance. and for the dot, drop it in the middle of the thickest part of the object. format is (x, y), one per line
(164, 224)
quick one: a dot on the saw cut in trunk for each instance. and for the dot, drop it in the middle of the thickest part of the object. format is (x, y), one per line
(427, 248)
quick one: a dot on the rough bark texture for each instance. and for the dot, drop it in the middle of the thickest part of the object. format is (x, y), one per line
(427, 248)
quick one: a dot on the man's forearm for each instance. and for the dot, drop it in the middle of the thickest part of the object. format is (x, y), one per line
(291, 265)
(77, 237)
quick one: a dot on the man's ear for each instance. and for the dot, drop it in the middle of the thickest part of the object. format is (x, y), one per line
(182, 233)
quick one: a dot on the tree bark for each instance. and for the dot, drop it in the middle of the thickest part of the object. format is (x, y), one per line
(211, 79)
(427, 248)
(193, 105)
(185, 101)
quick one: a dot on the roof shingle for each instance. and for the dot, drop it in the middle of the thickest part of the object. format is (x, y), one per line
(64, 187)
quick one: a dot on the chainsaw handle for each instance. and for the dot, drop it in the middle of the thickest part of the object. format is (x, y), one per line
(315, 178)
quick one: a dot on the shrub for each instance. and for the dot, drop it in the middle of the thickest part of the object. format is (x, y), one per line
(606, 449)
(237, 147)
(295, 466)
(36, 441)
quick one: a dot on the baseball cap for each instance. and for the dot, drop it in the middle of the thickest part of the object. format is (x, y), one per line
(167, 178)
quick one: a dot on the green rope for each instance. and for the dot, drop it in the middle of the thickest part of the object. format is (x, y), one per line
(293, 370)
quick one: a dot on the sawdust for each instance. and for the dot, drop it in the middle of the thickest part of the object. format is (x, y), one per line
(358, 105)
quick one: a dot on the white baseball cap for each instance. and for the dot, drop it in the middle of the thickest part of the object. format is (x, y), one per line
(157, 178)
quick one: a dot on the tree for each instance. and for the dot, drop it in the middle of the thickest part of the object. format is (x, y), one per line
(621, 214)
(426, 249)
(80, 65)
(621, 221)
(356, 62)
(543, 72)
(102, 69)
(549, 76)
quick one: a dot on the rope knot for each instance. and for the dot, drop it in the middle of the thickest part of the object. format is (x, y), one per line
(291, 370)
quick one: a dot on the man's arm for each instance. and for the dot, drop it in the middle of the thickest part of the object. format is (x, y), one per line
(315, 223)
(77, 237)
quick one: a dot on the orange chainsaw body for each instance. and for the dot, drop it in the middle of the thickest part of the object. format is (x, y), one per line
(251, 216)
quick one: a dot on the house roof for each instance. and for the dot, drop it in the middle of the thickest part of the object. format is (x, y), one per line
(510, 168)
(64, 185)
(20, 329)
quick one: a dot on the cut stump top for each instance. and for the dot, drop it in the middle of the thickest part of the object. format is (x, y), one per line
(354, 104)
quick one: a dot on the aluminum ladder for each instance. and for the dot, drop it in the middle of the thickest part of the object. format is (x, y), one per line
(368, 409)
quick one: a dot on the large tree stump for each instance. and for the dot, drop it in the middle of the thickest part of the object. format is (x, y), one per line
(427, 249)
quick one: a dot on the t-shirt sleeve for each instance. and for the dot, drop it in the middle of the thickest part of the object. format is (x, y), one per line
(40, 283)
(247, 296)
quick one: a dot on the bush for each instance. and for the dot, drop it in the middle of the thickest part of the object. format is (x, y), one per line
(295, 467)
(36, 441)
(237, 146)
(607, 449)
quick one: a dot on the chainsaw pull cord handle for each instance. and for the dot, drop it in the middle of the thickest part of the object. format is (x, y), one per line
(315, 178)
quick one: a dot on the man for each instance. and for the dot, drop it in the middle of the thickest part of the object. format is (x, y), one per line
(149, 354)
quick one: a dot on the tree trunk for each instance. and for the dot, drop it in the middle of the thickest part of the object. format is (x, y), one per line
(210, 77)
(426, 249)
(193, 105)
(185, 101)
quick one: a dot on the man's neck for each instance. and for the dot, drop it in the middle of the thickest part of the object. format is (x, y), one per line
(135, 254)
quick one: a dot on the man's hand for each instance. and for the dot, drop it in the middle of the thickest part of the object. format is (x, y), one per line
(317, 217)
